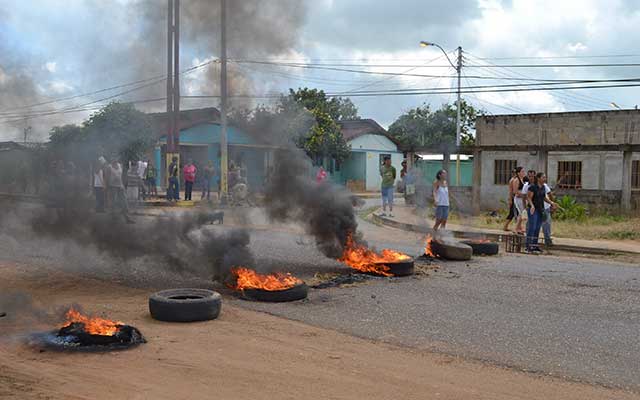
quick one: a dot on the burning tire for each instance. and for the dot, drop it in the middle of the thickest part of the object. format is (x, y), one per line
(482, 247)
(452, 250)
(400, 268)
(185, 305)
(297, 292)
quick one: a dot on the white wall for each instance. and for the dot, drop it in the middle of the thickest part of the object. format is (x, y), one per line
(491, 194)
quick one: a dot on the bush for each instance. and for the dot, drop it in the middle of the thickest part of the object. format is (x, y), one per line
(570, 210)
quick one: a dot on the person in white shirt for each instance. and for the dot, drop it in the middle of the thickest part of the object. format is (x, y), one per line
(99, 184)
(441, 199)
(115, 186)
(546, 222)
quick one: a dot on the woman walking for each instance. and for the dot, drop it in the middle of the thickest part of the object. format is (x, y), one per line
(537, 197)
(441, 199)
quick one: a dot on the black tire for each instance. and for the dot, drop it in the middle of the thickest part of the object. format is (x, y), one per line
(297, 292)
(452, 250)
(185, 305)
(400, 268)
(483, 248)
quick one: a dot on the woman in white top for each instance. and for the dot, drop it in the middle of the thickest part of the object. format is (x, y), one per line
(441, 199)
(520, 193)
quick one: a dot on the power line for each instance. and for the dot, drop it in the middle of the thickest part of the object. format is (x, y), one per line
(87, 94)
(297, 64)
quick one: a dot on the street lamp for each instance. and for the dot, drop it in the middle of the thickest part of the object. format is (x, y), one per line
(458, 68)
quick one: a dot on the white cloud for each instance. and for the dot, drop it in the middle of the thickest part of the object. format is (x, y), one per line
(60, 87)
(51, 66)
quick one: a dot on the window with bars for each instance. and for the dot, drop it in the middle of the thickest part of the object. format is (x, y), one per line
(569, 174)
(635, 174)
(503, 171)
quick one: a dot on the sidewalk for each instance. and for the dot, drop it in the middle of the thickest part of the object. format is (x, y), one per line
(405, 218)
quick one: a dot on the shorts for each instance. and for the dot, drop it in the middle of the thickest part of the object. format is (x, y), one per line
(387, 195)
(442, 212)
(512, 212)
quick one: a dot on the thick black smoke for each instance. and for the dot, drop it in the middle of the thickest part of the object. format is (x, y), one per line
(128, 42)
(324, 209)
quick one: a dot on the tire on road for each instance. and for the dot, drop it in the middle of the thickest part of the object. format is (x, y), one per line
(452, 250)
(483, 248)
(405, 268)
(294, 293)
(185, 305)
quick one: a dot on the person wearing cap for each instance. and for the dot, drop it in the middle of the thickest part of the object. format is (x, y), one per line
(388, 174)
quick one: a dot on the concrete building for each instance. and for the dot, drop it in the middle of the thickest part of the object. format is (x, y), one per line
(593, 156)
(370, 143)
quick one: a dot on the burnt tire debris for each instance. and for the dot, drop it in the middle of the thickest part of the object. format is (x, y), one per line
(297, 292)
(185, 305)
(452, 250)
(483, 248)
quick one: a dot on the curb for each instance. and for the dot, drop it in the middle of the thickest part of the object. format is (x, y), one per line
(500, 238)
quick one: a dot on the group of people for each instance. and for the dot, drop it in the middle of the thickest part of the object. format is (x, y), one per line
(189, 174)
(109, 188)
(440, 191)
(530, 201)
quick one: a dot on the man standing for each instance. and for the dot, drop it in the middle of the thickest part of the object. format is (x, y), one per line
(150, 179)
(546, 220)
(173, 191)
(208, 173)
(99, 184)
(115, 186)
(388, 174)
(189, 173)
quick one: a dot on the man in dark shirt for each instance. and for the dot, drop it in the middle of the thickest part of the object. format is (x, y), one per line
(173, 191)
(536, 197)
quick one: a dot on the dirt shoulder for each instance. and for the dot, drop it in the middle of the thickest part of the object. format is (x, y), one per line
(242, 355)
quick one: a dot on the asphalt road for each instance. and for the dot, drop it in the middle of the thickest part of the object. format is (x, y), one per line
(569, 317)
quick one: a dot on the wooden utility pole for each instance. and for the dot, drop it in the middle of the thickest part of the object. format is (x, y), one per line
(223, 101)
(169, 76)
(173, 82)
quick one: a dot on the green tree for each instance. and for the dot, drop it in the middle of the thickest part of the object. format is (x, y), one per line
(117, 130)
(421, 126)
(324, 139)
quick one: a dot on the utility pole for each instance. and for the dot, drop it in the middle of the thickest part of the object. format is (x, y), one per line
(173, 82)
(223, 101)
(176, 76)
(458, 107)
(170, 148)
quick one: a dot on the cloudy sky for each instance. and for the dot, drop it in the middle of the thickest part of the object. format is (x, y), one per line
(60, 60)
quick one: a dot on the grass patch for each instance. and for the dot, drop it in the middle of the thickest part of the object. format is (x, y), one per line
(608, 227)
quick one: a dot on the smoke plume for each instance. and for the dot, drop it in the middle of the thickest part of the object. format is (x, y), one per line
(126, 43)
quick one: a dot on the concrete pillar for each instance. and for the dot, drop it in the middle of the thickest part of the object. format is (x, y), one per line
(477, 182)
(543, 161)
(602, 171)
(157, 160)
(445, 163)
(625, 201)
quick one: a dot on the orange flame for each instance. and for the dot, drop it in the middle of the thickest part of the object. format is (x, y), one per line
(93, 325)
(249, 279)
(366, 260)
(427, 248)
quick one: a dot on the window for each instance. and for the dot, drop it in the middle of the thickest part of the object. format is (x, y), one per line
(635, 174)
(503, 171)
(569, 174)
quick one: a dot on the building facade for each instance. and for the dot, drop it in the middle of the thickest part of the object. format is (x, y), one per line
(370, 143)
(593, 156)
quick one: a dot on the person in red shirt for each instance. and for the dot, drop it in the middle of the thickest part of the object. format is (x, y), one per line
(189, 172)
(321, 175)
